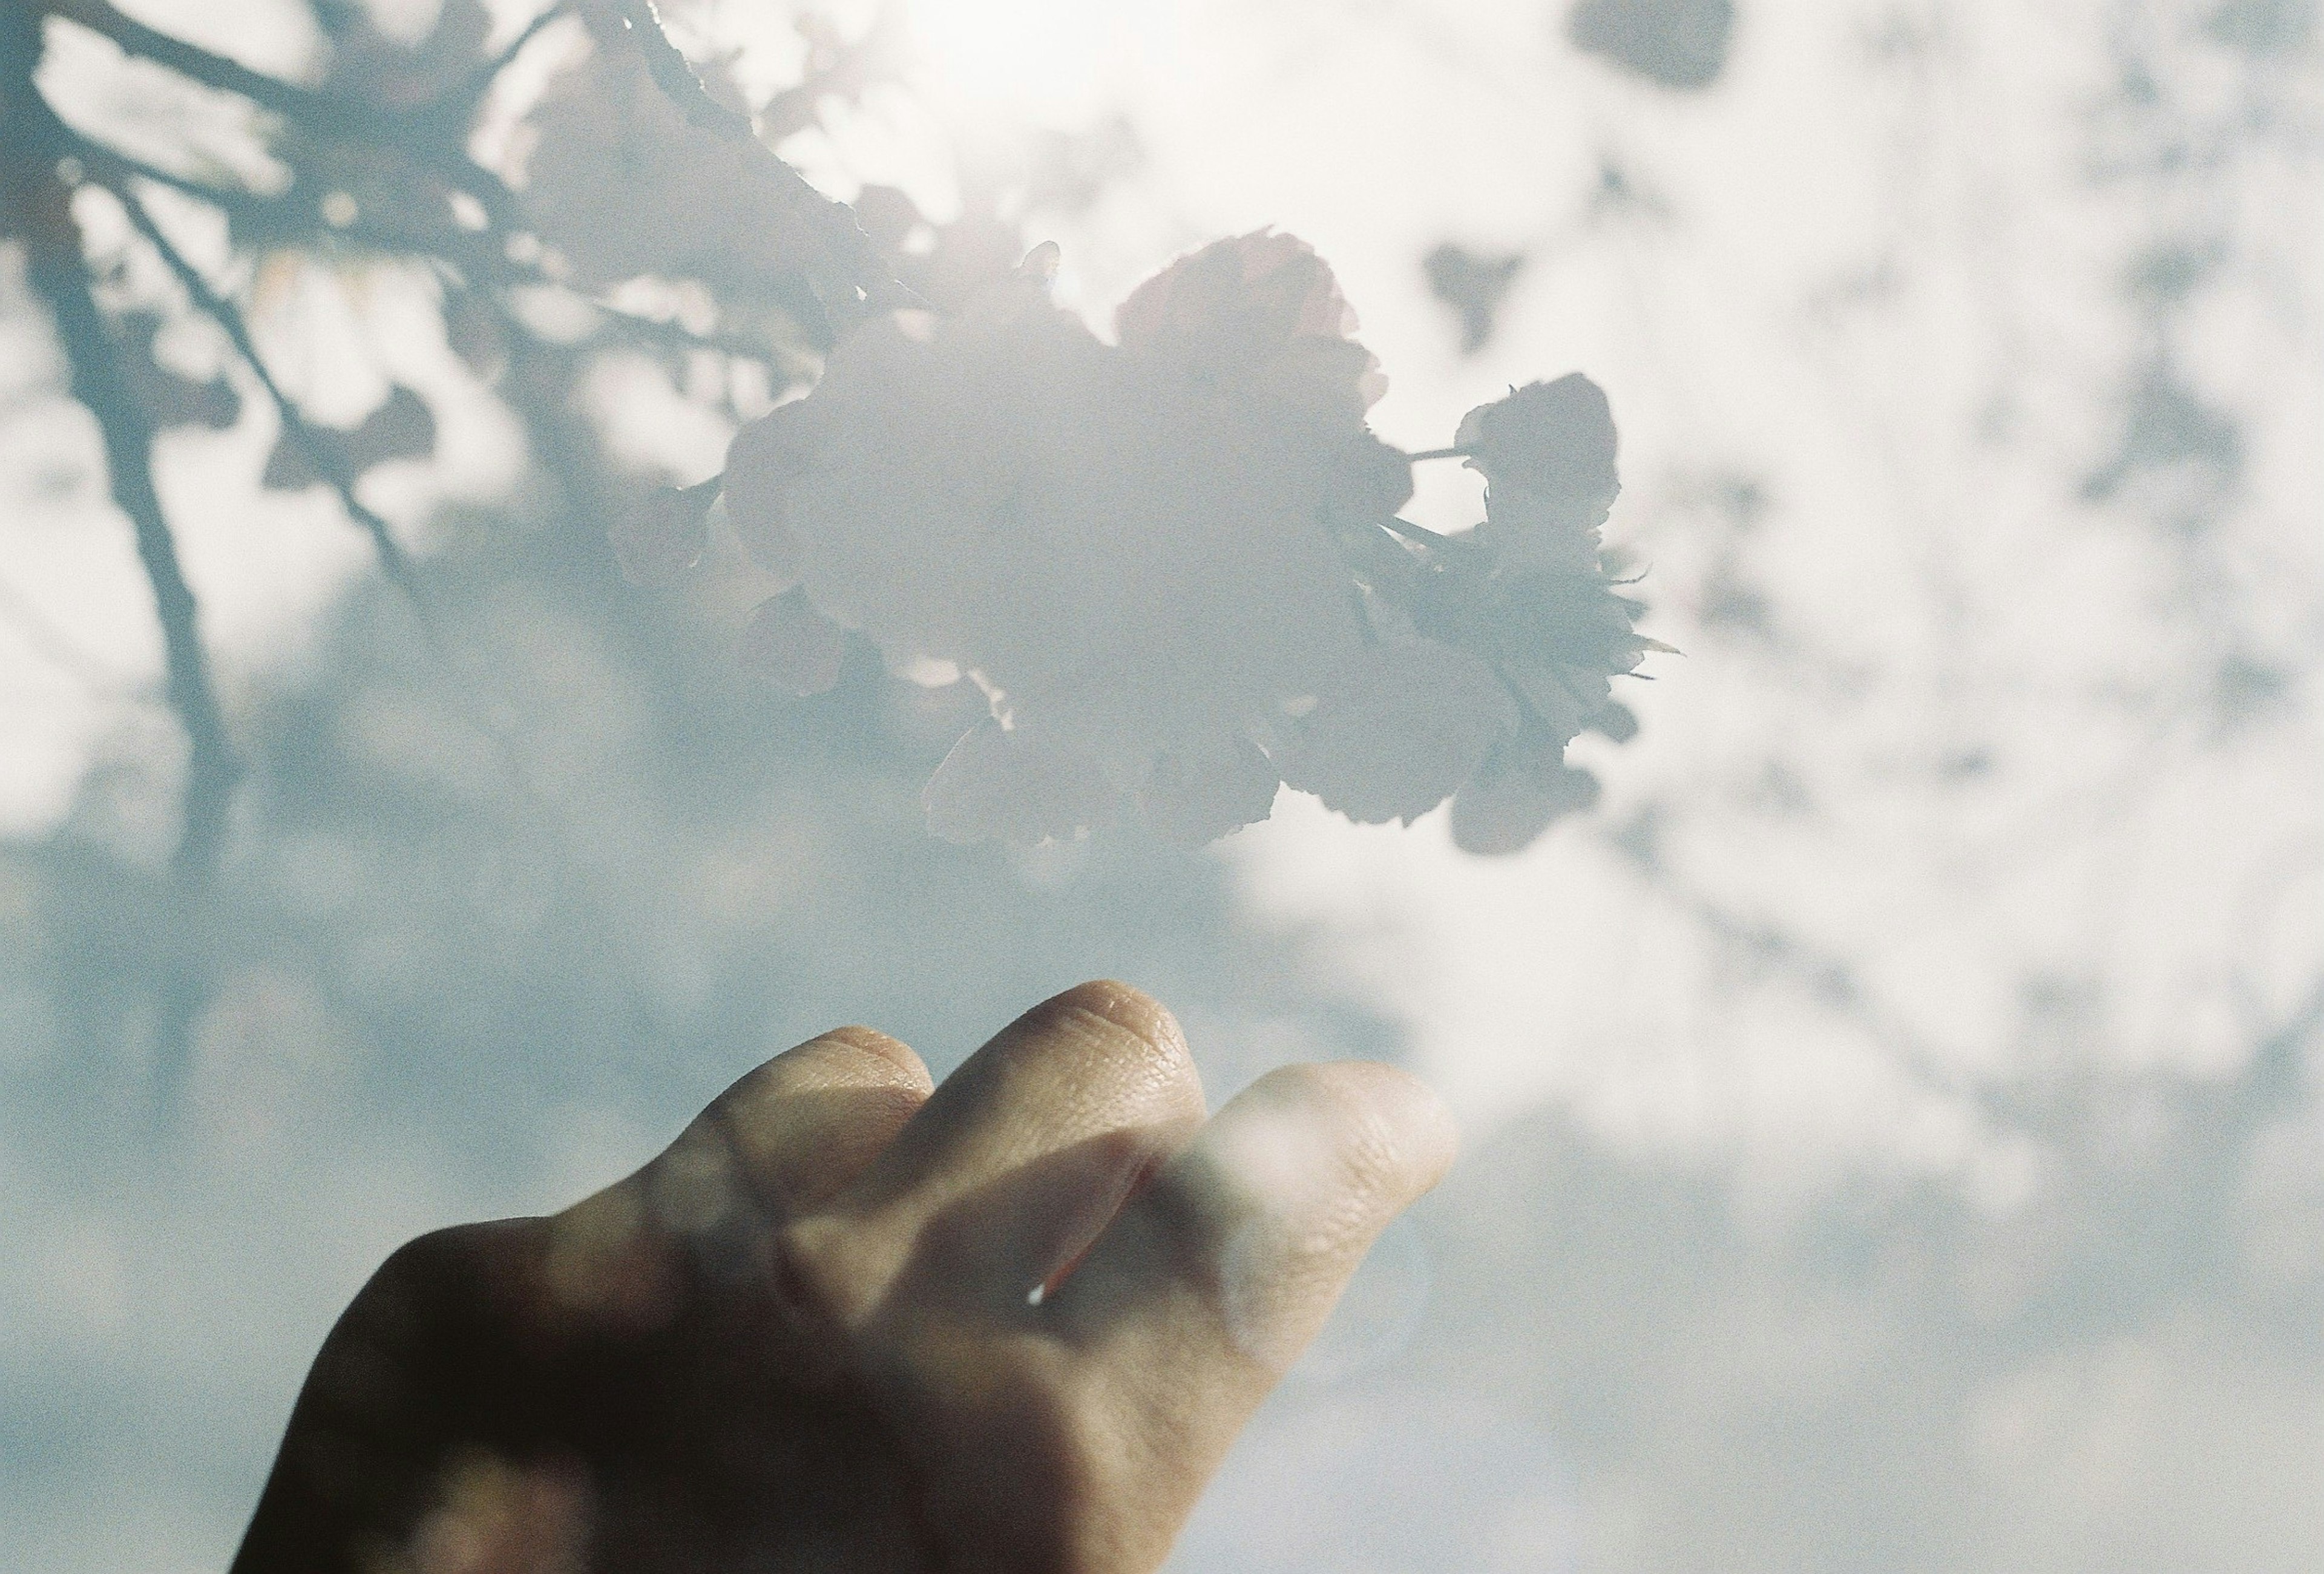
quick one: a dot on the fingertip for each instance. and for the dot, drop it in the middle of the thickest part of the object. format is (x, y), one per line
(1392, 1128)
(896, 1054)
(810, 1120)
(1126, 1007)
(1250, 1233)
(1426, 1136)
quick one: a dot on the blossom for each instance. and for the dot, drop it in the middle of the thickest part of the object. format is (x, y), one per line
(1170, 563)
(1401, 726)
(1547, 455)
(1263, 312)
(1534, 596)
(623, 185)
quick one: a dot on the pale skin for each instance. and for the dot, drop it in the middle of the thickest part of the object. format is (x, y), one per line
(851, 1322)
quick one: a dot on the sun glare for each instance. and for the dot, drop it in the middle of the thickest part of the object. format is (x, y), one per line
(1028, 60)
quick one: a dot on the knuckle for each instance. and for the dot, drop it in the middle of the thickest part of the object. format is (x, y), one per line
(438, 1259)
(833, 1269)
(462, 1272)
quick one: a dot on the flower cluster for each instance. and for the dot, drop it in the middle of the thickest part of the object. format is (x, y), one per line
(1173, 563)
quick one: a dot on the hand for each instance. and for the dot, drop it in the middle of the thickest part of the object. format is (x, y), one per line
(845, 1324)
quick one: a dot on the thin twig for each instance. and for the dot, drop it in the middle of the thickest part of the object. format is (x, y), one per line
(319, 454)
(58, 274)
(665, 331)
(258, 212)
(873, 285)
(108, 163)
(288, 99)
(465, 98)
(431, 137)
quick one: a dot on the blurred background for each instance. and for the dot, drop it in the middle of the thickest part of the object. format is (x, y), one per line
(1895, 1132)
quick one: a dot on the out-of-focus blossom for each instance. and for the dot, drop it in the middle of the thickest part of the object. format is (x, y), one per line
(1171, 562)
(623, 185)
(1262, 313)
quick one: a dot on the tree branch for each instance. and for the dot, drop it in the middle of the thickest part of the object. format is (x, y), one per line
(877, 287)
(277, 219)
(321, 456)
(673, 73)
(58, 274)
(287, 100)
(430, 135)
(471, 93)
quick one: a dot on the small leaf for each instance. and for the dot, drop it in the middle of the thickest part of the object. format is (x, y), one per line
(1473, 285)
(401, 428)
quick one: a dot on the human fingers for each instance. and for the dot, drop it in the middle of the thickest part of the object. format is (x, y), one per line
(806, 1124)
(1205, 1288)
(776, 1144)
(1014, 1164)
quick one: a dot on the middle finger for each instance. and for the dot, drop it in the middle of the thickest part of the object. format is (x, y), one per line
(1016, 1163)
